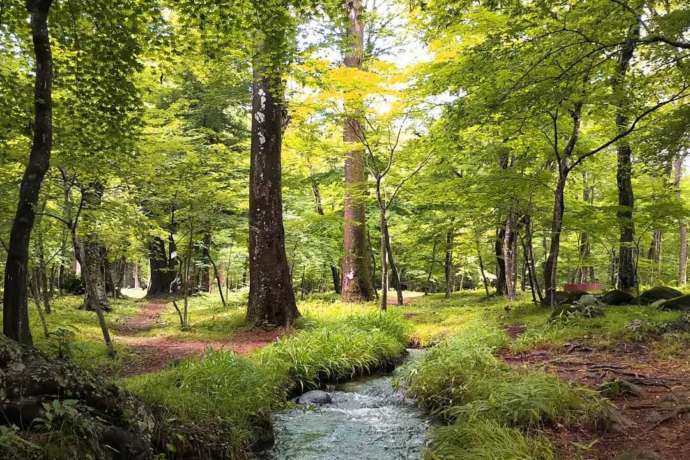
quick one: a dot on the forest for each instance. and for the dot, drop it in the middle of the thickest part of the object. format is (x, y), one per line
(339, 229)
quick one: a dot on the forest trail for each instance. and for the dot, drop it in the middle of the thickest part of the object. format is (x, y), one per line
(651, 394)
(158, 351)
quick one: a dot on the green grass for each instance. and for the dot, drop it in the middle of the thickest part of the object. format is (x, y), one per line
(488, 440)
(487, 404)
(234, 395)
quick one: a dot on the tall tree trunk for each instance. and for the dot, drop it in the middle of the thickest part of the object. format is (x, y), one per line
(627, 276)
(394, 268)
(356, 281)
(135, 275)
(500, 260)
(682, 225)
(528, 250)
(431, 269)
(509, 258)
(15, 302)
(383, 227)
(585, 271)
(271, 297)
(205, 278)
(654, 255)
(217, 276)
(481, 268)
(551, 266)
(449, 260)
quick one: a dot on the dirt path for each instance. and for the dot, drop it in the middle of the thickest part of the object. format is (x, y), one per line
(155, 353)
(651, 396)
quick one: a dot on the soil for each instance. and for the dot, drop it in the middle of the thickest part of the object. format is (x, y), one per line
(653, 410)
(156, 353)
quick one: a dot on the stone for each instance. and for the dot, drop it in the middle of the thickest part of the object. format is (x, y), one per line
(617, 297)
(659, 293)
(679, 303)
(314, 397)
(588, 299)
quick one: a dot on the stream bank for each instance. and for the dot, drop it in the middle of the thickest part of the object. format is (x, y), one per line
(367, 419)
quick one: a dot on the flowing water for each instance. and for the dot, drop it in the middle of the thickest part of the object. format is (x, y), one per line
(366, 420)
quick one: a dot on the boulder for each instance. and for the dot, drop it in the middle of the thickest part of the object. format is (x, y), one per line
(588, 299)
(314, 397)
(679, 303)
(617, 297)
(563, 297)
(659, 293)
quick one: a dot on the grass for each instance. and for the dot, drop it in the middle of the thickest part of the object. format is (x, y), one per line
(434, 318)
(491, 409)
(235, 395)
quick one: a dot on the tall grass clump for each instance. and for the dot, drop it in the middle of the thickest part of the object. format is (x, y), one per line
(493, 410)
(358, 345)
(488, 440)
(234, 395)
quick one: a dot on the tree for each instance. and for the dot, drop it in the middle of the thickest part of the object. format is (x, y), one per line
(15, 302)
(356, 277)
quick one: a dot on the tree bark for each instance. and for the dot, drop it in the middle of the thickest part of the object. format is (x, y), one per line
(481, 268)
(162, 268)
(551, 266)
(383, 226)
(682, 225)
(449, 260)
(356, 281)
(627, 275)
(15, 301)
(205, 276)
(431, 269)
(394, 268)
(271, 297)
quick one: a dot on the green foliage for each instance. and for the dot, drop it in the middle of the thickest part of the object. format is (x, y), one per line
(233, 394)
(487, 440)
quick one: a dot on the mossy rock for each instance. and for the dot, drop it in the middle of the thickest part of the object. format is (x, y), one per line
(565, 311)
(659, 293)
(106, 421)
(681, 303)
(617, 297)
(563, 297)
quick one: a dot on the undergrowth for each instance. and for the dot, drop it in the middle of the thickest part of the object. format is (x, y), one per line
(235, 395)
(490, 408)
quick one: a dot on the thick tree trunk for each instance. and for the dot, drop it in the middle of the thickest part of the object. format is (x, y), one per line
(163, 270)
(356, 281)
(449, 261)
(627, 273)
(15, 301)
(551, 266)
(271, 297)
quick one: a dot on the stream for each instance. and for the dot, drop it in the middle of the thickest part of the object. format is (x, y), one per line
(367, 419)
